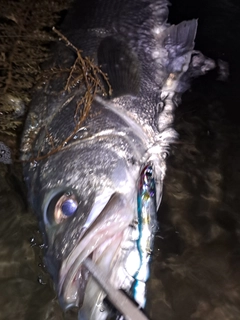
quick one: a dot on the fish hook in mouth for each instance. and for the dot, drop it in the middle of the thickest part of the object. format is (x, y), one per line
(103, 241)
(100, 241)
(124, 305)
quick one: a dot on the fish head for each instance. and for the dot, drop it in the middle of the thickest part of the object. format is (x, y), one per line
(85, 196)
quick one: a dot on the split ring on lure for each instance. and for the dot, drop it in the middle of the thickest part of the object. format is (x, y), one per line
(147, 224)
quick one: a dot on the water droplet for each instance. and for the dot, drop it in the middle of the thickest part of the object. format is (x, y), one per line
(82, 129)
(41, 265)
(102, 309)
(33, 164)
(164, 155)
(33, 242)
(41, 280)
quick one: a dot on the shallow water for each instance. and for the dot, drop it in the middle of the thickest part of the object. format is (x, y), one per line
(195, 270)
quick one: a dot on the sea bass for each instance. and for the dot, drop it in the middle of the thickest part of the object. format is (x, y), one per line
(96, 140)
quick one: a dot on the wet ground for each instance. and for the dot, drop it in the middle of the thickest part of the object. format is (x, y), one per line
(196, 263)
(196, 267)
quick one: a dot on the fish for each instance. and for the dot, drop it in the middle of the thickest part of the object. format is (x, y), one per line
(96, 140)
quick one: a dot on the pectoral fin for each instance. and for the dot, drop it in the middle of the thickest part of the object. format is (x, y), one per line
(121, 66)
(179, 43)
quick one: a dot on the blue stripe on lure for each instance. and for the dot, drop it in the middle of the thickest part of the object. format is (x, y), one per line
(147, 224)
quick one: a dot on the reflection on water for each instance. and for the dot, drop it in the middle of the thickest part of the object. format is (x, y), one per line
(22, 296)
(195, 269)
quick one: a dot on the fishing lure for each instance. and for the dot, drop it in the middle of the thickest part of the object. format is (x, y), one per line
(147, 224)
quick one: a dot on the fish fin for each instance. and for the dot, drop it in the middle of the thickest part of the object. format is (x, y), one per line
(181, 37)
(121, 66)
(179, 42)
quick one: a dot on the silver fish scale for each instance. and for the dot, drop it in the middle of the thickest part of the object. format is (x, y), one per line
(108, 151)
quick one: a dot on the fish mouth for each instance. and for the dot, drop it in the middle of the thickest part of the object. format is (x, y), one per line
(108, 241)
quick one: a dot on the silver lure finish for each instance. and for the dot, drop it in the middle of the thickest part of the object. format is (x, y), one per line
(147, 224)
(85, 195)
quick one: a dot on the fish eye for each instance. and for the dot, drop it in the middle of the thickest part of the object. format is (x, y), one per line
(148, 175)
(149, 172)
(69, 206)
(61, 207)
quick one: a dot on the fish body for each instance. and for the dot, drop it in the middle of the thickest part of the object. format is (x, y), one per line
(82, 165)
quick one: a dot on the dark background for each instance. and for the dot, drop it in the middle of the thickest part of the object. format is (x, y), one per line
(197, 251)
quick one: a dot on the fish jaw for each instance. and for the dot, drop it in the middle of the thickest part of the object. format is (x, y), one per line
(105, 230)
(102, 241)
(104, 227)
(110, 237)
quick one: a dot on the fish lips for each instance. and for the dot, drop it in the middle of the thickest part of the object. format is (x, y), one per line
(99, 240)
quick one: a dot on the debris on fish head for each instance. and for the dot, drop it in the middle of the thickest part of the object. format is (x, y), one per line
(94, 146)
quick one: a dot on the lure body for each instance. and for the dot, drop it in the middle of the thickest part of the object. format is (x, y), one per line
(147, 225)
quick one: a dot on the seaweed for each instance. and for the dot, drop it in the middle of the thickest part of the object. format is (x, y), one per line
(25, 37)
(85, 72)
